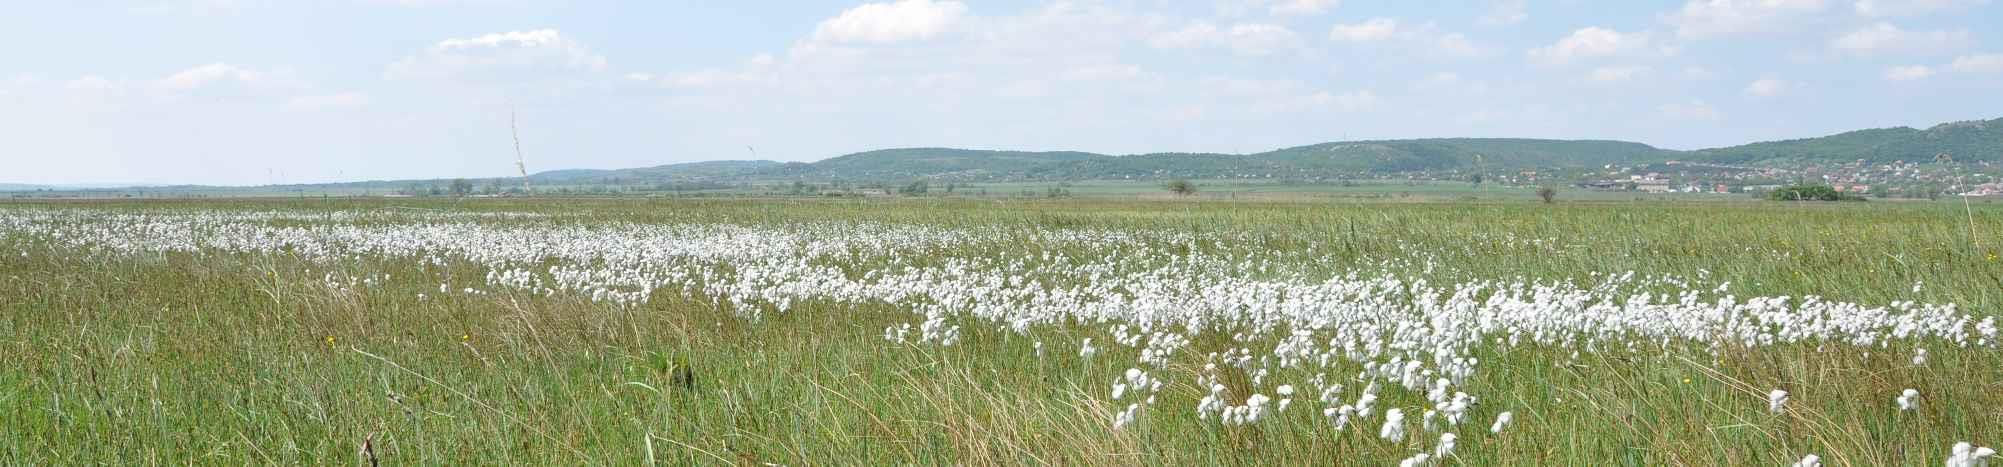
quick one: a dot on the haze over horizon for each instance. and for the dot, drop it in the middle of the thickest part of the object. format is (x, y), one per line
(237, 92)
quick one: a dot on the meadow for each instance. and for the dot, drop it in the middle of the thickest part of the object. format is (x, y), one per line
(1099, 331)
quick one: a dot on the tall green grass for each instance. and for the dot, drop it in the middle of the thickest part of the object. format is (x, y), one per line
(234, 359)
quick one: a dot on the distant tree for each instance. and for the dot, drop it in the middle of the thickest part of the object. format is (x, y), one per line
(1181, 187)
(1476, 179)
(916, 187)
(1810, 193)
(1548, 194)
(461, 187)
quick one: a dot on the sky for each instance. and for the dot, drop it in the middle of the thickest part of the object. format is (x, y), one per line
(251, 92)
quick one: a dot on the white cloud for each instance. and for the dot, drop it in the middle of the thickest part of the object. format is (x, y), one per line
(1700, 19)
(1302, 7)
(513, 55)
(536, 38)
(1884, 38)
(1457, 44)
(1242, 38)
(1699, 73)
(209, 74)
(1978, 63)
(1426, 37)
(1506, 12)
(337, 101)
(1767, 87)
(880, 23)
(1911, 7)
(1376, 29)
(1613, 74)
(1591, 42)
(1693, 110)
(1908, 73)
(217, 79)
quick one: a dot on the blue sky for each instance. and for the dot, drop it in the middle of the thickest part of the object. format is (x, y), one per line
(254, 92)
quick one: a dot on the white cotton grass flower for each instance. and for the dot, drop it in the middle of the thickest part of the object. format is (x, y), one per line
(1968, 455)
(1255, 407)
(1446, 446)
(1426, 420)
(1417, 460)
(1339, 415)
(1212, 404)
(1810, 460)
(1501, 422)
(1363, 404)
(1777, 401)
(1456, 410)
(1394, 426)
(1919, 357)
(1126, 417)
(1908, 400)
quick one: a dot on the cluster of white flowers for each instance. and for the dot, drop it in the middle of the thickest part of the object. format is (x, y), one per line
(1137, 382)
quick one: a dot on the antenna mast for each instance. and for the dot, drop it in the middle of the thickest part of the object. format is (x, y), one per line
(521, 164)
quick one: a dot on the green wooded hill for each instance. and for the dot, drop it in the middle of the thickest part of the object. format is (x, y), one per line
(1962, 141)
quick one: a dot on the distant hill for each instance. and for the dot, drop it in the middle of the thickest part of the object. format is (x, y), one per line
(1458, 153)
(1962, 141)
(1968, 140)
(921, 162)
(691, 171)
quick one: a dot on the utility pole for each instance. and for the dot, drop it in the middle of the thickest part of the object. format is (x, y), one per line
(521, 163)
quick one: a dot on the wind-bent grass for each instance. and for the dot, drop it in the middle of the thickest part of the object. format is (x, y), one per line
(254, 358)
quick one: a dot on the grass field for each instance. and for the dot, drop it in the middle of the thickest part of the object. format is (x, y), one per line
(943, 331)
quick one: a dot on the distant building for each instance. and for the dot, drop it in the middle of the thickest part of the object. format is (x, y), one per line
(1987, 189)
